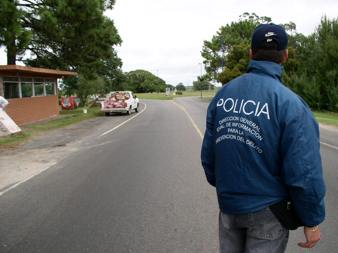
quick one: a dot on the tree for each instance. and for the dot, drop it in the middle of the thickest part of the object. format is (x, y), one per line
(180, 87)
(226, 54)
(65, 37)
(88, 87)
(68, 34)
(112, 74)
(311, 71)
(13, 35)
(83, 87)
(201, 85)
(143, 81)
(170, 86)
(64, 34)
(326, 71)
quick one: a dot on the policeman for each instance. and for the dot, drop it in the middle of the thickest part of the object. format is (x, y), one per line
(272, 158)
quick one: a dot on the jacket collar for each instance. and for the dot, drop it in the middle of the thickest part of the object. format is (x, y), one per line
(266, 67)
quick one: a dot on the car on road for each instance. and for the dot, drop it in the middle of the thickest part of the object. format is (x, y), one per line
(120, 102)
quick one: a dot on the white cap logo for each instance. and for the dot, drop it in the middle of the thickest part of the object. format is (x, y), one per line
(269, 34)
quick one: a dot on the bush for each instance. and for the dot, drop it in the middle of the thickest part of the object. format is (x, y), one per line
(180, 87)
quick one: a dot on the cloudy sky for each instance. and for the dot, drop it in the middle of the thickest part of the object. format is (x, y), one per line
(165, 37)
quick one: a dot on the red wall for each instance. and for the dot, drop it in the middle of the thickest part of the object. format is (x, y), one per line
(28, 110)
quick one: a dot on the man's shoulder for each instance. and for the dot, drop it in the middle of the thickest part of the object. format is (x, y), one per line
(292, 106)
(290, 97)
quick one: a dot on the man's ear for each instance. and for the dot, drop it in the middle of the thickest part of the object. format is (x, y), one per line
(250, 54)
(285, 55)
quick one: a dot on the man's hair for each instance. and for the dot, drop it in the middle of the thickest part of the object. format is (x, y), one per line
(268, 52)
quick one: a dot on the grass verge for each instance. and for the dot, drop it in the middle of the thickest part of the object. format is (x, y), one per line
(65, 118)
(157, 96)
(162, 96)
(329, 118)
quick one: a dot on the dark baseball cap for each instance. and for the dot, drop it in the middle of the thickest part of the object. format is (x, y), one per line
(269, 33)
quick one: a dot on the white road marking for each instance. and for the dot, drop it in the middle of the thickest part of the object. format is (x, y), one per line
(23, 181)
(328, 127)
(329, 145)
(124, 122)
(191, 119)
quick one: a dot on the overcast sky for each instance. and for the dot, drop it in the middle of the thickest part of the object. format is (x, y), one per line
(165, 37)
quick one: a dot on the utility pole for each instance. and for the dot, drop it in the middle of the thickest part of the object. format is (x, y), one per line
(201, 67)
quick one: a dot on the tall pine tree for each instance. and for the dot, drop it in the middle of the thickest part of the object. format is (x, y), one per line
(13, 34)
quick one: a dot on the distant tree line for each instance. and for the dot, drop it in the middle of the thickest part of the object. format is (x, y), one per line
(312, 68)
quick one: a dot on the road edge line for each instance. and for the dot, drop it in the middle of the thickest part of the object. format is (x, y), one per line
(329, 145)
(124, 122)
(25, 180)
(328, 127)
(190, 118)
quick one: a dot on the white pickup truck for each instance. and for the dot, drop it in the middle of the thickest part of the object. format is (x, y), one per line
(121, 102)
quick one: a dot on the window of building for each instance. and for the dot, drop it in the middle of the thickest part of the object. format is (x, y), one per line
(27, 89)
(49, 85)
(11, 89)
(38, 88)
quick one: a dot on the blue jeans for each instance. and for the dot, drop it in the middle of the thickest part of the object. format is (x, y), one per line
(258, 232)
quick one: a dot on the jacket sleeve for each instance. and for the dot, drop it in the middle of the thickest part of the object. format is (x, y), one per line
(208, 152)
(302, 167)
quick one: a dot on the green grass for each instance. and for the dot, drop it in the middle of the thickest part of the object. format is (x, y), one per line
(157, 96)
(65, 118)
(162, 96)
(329, 118)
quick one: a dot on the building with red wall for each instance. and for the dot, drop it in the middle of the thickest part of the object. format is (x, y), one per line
(31, 92)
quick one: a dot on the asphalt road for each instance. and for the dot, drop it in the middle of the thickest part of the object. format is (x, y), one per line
(138, 188)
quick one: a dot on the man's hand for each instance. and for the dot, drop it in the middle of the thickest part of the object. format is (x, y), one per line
(312, 236)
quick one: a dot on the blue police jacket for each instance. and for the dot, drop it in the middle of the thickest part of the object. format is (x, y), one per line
(261, 145)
